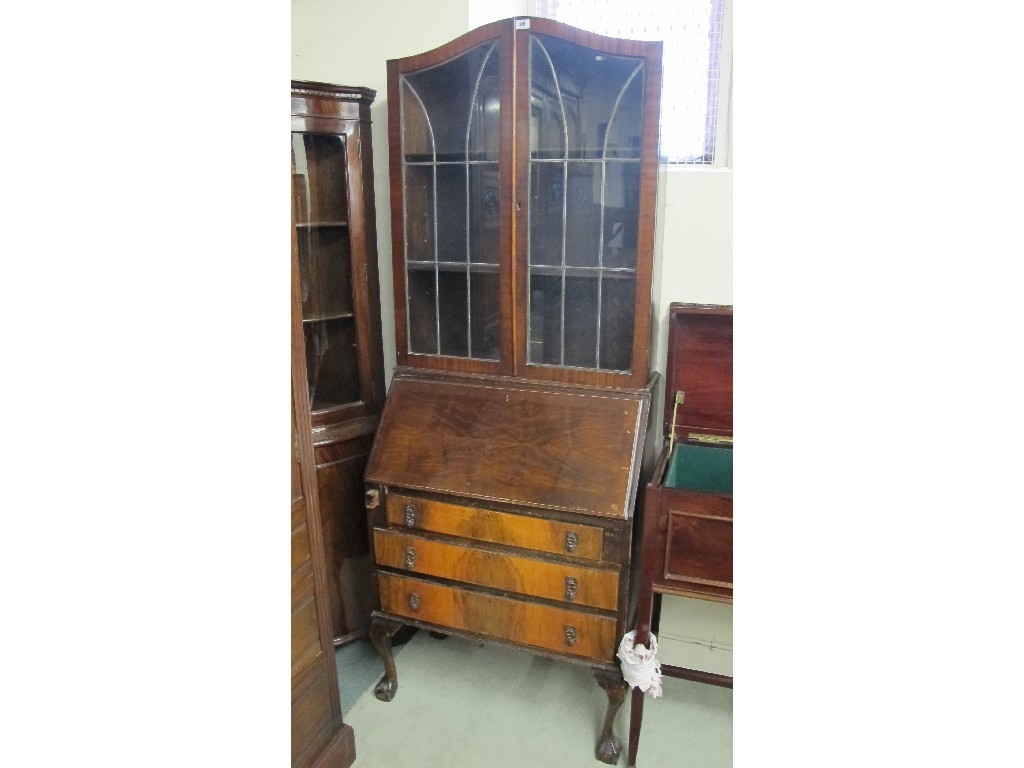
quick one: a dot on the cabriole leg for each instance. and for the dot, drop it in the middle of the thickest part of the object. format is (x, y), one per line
(381, 632)
(608, 747)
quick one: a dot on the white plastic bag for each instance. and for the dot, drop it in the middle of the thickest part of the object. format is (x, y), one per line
(640, 666)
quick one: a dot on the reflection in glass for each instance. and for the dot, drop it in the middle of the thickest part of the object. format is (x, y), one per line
(450, 146)
(585, 138)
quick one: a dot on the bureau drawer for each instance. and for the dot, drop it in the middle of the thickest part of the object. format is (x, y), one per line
(487, 525)
(582, 585)
(542, 626)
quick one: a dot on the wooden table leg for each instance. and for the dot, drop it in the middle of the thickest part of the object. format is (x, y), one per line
(636, 716)
(608, 747)
(381, 631)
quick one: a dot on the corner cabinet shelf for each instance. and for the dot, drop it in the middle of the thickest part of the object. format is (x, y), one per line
(503, 477)
(335, 232)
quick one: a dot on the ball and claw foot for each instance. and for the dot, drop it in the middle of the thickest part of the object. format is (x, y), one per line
(386, 689)
(608, 750)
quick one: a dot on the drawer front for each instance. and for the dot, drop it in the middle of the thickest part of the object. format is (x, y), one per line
(487, 525)
(699, 549)
(555, 629)
(595, 587)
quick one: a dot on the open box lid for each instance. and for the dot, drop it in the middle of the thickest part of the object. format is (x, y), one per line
(700, 366)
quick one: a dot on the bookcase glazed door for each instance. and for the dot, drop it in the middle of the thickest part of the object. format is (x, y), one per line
(587, 128)
(332, 191)
(451, 155)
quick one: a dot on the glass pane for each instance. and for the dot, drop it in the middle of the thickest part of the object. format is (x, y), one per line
(422, 291)
(485, 316)
(545, 340)
(484, 125)
(321, 161)
(617, 296)
(621, 213)
(622, 139)
(581, 321)
(484, 213)
(438, 103)
(419, 213)
(583, 215)
(325, 272)
(452, 301)
(331, 362)
(547, 182)
(451, 212)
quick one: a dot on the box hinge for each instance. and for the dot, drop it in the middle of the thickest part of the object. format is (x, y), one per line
(680, 396)
(693, 437)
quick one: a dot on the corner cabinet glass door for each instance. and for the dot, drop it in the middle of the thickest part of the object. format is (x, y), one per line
(451, 233)
(319, 168)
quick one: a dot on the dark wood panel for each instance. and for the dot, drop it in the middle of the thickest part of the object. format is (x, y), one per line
(346, 544)
(541, 626)
(523, 531)
(312, 715)
(699, 549)
(699, 364)
(554, 447)
(572, 583)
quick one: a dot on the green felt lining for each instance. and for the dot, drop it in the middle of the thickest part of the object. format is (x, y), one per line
(700, 468)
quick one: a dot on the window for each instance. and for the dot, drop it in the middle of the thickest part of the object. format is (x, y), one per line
(694, 123)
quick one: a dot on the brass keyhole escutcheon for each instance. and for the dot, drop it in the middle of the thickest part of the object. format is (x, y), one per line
(570, 588)
(571, 540)
(410, 557)
(410, 515)
(414, 601)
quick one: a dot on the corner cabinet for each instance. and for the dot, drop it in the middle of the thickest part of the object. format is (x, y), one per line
(335, 228)
(504, 473)
(320, 738)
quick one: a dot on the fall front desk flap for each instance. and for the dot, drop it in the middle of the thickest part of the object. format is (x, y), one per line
(513, 441)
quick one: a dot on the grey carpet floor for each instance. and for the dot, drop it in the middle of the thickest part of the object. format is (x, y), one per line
(462, 704)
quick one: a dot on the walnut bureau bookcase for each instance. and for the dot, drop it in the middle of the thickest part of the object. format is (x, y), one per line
(502, 481)
(335, 227)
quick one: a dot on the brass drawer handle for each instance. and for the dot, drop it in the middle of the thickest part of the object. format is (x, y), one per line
(571, 540)
(414, 601)
(570, 588)
(410, 515)
(570, 635)
(410, 557)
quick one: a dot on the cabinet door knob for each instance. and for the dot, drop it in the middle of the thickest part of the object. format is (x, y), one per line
(570, 588)
(570, 635)
(410, 515)
(410, 557)
(571, 540)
